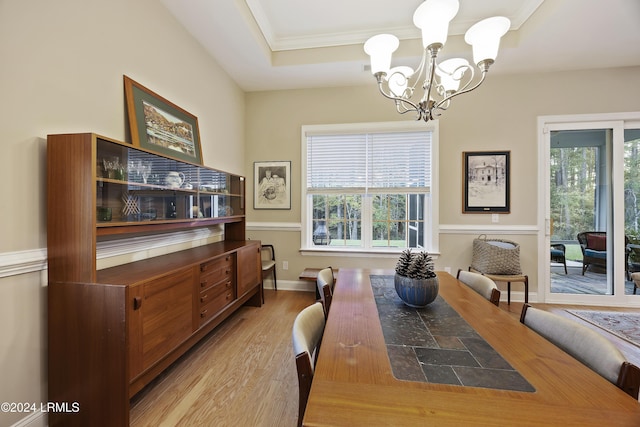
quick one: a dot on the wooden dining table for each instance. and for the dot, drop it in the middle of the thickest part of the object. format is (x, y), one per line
(354, 385)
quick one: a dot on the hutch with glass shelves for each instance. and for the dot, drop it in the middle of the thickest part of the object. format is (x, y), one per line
(111, 331)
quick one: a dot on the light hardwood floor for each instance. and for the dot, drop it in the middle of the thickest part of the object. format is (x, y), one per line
(243, 373)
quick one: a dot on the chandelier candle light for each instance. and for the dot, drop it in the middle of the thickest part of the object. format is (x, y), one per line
(399, 83)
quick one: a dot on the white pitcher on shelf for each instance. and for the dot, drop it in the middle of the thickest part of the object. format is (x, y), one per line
(174, 179)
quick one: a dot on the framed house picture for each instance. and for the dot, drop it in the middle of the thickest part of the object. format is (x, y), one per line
(272, 185)
(161, 126)
(485, 176)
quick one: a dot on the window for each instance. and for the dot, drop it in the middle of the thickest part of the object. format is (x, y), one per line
(369, 187)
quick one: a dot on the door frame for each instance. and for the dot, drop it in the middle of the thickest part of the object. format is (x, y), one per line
(546, 124)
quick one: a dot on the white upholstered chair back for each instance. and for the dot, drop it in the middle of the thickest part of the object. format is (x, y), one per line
(481, 284)
(325, 277)
(307, 334)
(307, 330)
(586, 345)
(325, 283)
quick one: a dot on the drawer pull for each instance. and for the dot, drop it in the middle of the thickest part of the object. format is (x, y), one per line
(203, 314)
(137, 303)
(229, 296)
(203, 298)
(203, 284)
(228, 285)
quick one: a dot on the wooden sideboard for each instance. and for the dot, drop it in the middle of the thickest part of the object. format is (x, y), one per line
(112, 331)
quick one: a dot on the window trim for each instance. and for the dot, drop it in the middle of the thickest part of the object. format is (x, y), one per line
(432, 224)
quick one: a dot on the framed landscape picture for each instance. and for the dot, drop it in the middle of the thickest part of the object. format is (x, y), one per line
(272, 185)
(160, 126)
(485, 177)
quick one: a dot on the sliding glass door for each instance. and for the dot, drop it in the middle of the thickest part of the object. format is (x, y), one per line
(632, 204)
(591, 210)
(580, 191)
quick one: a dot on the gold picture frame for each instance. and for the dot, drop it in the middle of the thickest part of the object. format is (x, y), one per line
(160, 126)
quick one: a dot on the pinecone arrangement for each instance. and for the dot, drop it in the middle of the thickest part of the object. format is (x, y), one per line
(415, 266)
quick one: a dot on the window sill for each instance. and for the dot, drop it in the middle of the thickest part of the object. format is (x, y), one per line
(358, 252)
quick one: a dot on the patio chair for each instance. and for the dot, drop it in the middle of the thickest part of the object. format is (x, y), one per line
(593, 245)
(558, 251)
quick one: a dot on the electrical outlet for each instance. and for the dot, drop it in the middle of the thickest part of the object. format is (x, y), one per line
(495, 218)
(285, 265)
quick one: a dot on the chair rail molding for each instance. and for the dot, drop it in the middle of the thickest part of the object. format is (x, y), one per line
(274, 226)
(488, 229)
(35, 260)
(22, 262)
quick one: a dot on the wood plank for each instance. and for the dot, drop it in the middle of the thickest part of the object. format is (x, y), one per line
(71, 208)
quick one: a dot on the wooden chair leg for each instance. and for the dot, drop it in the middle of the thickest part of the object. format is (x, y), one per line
(526, 291)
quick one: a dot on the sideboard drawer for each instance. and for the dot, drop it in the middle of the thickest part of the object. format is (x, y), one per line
(214, 303)
(216, 271)
(208, 295)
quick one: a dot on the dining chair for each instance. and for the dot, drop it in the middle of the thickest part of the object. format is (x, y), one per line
(481, 284)
(586, 345)
(325, 283)
(308, 328)
(268, 258)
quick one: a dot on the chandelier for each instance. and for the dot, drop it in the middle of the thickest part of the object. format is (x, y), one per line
(440, 81)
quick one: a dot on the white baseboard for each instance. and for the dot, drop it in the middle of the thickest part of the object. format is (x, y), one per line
(34, 419)
(292, 285)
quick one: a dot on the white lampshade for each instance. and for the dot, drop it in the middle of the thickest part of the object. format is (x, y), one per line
(380, 48)
(398, 78)
(451, 72)
(433, 17)
(484, 37)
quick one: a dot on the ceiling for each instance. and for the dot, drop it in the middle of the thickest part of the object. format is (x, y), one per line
(289, 44)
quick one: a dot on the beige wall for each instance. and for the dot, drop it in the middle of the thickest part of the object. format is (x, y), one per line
(500, 115)
(62, 68)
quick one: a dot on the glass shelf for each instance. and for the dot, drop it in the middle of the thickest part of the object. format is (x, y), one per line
(136, 186)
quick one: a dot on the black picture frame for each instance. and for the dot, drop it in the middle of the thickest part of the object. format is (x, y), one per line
(486, 181)
(272, 185)
(160, 126)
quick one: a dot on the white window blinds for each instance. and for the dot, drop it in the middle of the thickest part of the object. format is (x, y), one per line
(398, 160)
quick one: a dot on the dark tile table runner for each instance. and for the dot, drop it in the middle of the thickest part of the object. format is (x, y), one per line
(436, 345)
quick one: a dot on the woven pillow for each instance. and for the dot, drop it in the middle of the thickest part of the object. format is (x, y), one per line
(597, 242)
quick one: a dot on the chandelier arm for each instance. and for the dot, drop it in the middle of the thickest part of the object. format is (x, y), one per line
(418, 73)
(448, 98)
(380, 77)
(404, 109)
